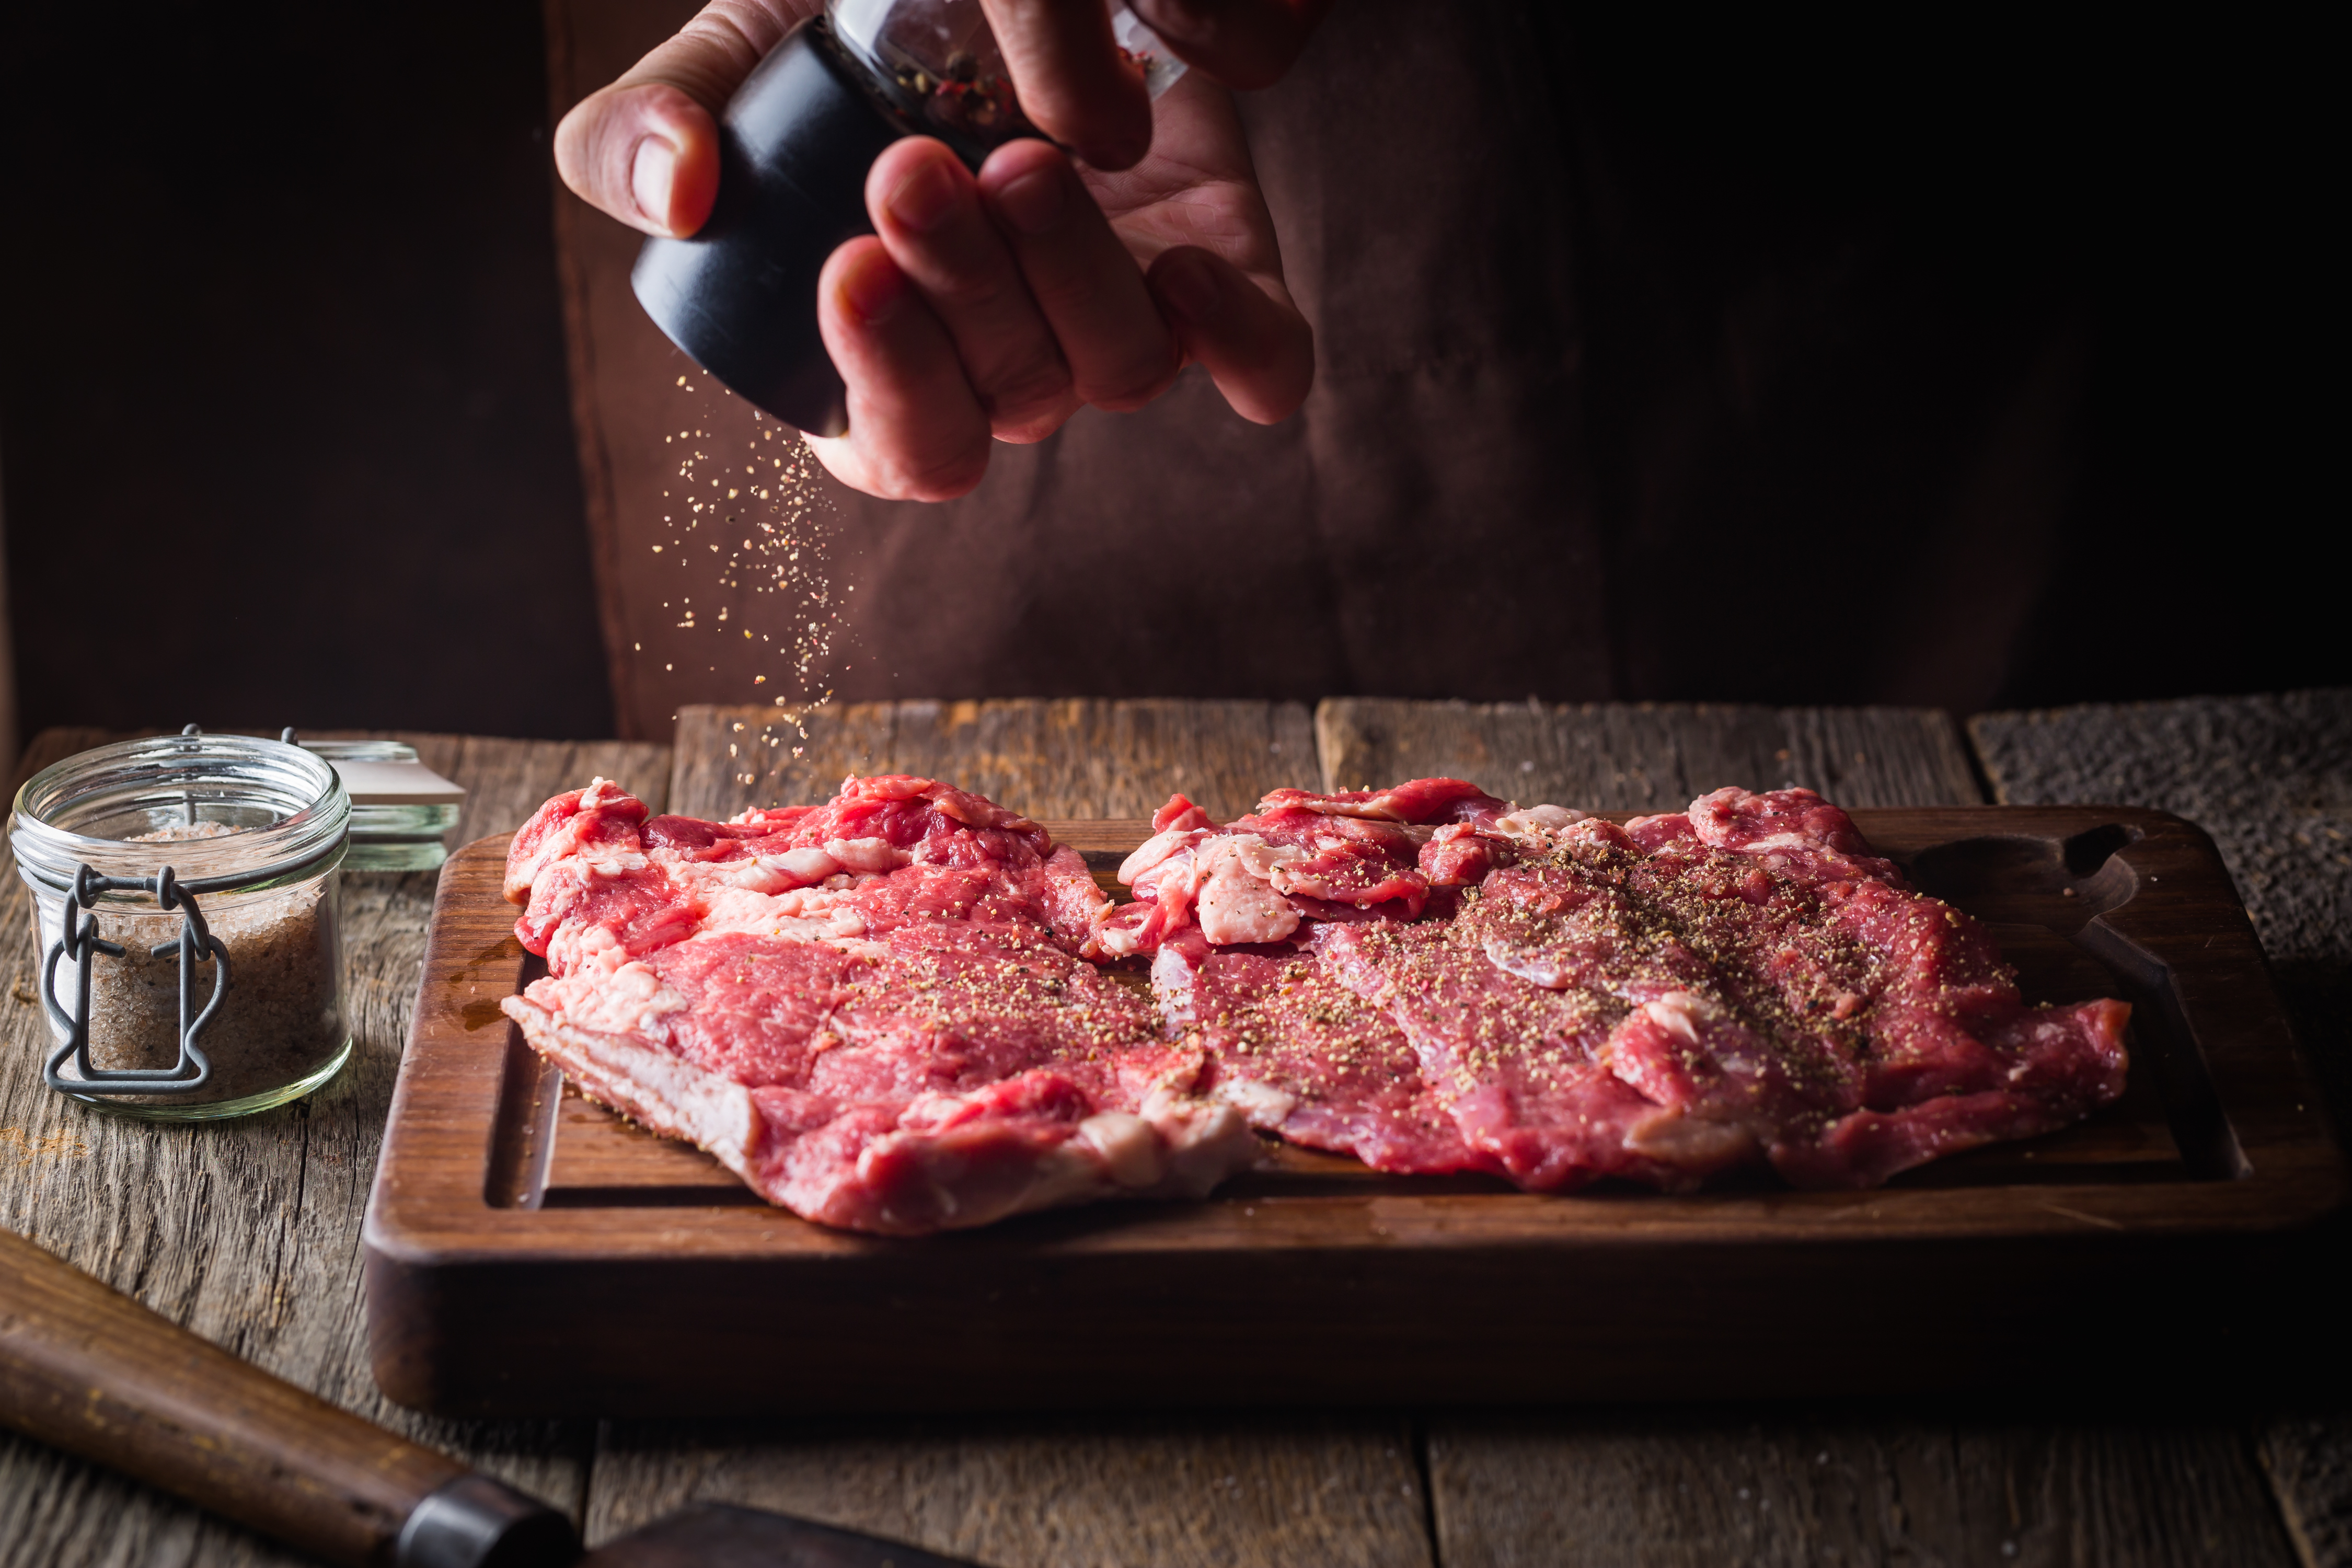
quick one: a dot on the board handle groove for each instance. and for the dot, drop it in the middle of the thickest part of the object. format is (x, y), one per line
(85, 1369)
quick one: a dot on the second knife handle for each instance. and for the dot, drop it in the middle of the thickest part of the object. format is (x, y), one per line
(86, 1369)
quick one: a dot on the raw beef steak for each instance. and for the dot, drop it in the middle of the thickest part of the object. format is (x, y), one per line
(870, 1010)
(1240, 919)
(1742, 981)
(1301, 1055)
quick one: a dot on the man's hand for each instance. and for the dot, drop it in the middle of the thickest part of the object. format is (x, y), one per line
(997, 307)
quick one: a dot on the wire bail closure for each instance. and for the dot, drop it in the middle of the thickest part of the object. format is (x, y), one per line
(80, 941)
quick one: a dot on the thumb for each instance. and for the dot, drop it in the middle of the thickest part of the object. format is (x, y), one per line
(1073, 84)
(646, 149)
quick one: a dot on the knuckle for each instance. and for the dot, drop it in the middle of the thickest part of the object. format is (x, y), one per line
(1040, 384)
(968, 289)
(1128, 388)
(940, 476)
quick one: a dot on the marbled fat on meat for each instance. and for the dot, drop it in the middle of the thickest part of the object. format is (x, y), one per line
(1356, 855)
(1301, 1055)
(870, 1010)
(1738, 983)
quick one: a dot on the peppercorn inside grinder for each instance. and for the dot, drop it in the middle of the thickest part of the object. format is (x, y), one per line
(794, 145)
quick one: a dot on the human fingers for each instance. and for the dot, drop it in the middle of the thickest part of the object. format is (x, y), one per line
(1242, 43)
(1258, 349)
(927, 207)
(916, 431)
(1120, 352)
(646, 149)
(1193, 214)
(1073, 84)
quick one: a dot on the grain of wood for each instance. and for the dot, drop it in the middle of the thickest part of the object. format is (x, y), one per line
(2309, 1462)
(1710, 1487)
(1078, 1492)
(2271, 779)
(1069, 1494)
(1647, 756)
(246, 1232)
(1060, 759)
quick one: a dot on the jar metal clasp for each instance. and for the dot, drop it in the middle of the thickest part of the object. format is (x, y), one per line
(79, 940)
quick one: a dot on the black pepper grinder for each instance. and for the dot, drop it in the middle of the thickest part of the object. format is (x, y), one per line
(794, 144)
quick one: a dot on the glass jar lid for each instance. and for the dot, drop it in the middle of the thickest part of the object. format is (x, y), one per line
(226, 812)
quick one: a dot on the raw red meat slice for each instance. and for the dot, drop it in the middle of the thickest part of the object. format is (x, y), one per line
(1300, 856)
(1524, 1068)
(594, 872)
(1701, 989)
(1420, 801)
(869, 1010)
(1301, 1055)
(575, 823)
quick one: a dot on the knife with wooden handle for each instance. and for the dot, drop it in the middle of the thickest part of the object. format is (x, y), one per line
(86, 1369)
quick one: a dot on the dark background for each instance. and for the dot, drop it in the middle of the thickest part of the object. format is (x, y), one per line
(282, 366)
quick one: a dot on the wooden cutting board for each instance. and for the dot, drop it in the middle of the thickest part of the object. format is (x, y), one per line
(529, 1253)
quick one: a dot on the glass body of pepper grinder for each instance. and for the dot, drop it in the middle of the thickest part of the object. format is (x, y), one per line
(795, 143)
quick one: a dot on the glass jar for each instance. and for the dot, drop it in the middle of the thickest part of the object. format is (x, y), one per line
(401, 811)
(937, 63)
(201, 977)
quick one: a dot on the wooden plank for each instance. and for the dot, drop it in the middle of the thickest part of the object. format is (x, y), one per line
(246, 1232)
(1071, 758)
(505, 781)
(1172, 1492)
(1750, 1489)
(1759, 1486)
(1087, 1490)
(1615, 756)
(2308, 1459)
(2271, 779)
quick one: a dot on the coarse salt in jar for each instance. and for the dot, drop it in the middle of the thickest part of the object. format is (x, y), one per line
(185, 906)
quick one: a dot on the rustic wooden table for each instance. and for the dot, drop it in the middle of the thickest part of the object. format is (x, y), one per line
(248, 1234)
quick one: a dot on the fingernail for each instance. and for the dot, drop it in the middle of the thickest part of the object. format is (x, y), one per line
(651, 175)
(1034, 201)
(1191, 284)
(873, 289)
(924, 198)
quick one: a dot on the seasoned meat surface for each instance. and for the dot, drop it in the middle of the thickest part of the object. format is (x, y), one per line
(889, 1011)
(1742, 982)
(871, 1010)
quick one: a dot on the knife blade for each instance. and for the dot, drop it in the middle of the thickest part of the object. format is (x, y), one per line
(86, 1369)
